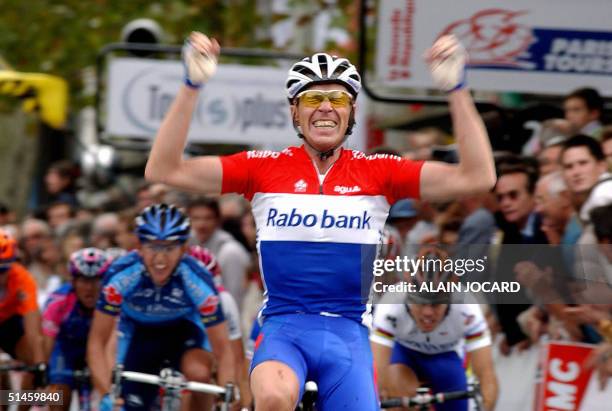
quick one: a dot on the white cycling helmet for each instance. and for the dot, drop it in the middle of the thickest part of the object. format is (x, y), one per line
(322, 68)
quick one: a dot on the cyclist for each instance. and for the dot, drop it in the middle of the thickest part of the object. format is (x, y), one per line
(319, 211)
(170, 313)
(421, 337)
(232, 316)
(67, 317)
(19, 316)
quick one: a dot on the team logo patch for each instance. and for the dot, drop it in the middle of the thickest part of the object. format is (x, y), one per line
(112, 295)
(300, 186)
(210, 305)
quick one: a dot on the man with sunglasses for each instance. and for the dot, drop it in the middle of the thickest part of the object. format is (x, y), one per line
(170, 313)
(430, 337)
(20, 335)
(320, 210)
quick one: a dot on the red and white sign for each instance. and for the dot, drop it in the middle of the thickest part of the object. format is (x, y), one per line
(532, 46)
(565, 384)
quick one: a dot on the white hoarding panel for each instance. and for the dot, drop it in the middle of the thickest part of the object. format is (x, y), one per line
(239, 105)
(535, 46)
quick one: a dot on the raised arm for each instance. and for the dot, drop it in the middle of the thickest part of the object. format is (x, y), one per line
(166, 163)
(476, 170)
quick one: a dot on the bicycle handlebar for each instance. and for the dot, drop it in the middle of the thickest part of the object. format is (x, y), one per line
(427, 399)
(188, 385)
(20, 367)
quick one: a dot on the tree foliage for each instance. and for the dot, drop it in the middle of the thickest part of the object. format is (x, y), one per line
(63, 37)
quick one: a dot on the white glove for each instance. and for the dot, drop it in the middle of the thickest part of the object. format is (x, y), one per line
(447, 59)
(199, 67)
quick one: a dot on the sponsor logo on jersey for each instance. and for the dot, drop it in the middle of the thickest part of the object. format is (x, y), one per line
(300, 186)
(145, 292)
(347, 190)
(209, 306)
(263, 154)
(176, 292)
(112, 295)
(358, 155)
(324, 220)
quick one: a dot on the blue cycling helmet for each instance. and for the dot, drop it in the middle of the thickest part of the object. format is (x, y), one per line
(162, 222)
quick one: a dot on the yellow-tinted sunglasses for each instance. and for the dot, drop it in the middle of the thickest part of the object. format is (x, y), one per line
(314, 98)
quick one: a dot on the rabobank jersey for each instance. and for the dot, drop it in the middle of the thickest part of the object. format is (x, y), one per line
(189, 294)
(317, 235)
(463, 328)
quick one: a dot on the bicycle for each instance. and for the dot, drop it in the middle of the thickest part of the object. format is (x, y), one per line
(171, 383)
(424, 399)
(82, 380)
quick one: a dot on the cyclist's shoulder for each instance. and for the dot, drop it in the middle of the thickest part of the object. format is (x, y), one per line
(63, 292)
(465, 310)
(127, 263)
(393, 300)
(261, 157)
(20, 277)
(18, 270)
(466, 316)
(194, 269)
(391, 308)
(63, 297)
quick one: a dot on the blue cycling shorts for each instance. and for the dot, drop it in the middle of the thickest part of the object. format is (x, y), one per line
(334, 352)
(443, 372)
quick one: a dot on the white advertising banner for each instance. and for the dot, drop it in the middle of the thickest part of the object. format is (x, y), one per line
(239, 105)
(534, 46)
